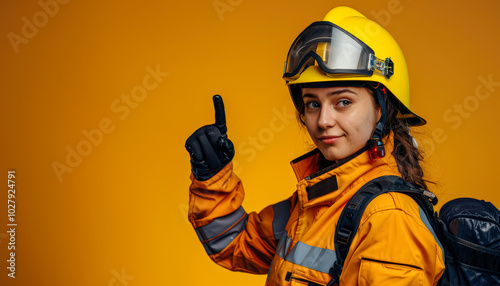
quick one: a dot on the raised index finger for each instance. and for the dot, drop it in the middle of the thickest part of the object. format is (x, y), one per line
(220, 114)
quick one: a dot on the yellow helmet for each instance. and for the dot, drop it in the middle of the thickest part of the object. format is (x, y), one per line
(348, 48)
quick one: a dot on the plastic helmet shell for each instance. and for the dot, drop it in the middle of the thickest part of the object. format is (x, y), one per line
(384, 46)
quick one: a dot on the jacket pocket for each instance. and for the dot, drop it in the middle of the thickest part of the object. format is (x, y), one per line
(296, 280)
(376, 272)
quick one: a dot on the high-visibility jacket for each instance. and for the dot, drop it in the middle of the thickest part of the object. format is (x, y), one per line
(293, 240)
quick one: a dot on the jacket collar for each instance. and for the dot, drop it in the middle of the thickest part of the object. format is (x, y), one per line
(344, 174)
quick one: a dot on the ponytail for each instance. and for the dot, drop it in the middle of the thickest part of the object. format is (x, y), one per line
(406, 152)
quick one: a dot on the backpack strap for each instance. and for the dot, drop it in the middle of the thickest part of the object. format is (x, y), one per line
(348, 223)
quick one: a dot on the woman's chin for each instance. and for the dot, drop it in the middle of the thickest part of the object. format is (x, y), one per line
(332, 155)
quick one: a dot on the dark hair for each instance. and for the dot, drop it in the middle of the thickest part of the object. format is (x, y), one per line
(406, 152)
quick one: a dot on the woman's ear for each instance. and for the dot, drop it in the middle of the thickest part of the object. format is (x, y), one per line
(378, 109)
(379, 112)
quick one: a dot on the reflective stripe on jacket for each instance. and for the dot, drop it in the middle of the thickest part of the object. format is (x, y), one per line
(292, 240)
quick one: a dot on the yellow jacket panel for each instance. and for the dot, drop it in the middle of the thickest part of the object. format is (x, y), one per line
(293, 240)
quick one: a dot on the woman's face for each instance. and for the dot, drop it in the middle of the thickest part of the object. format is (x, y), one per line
(340, 120)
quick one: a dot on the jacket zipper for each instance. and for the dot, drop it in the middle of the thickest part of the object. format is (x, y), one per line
(393, 263)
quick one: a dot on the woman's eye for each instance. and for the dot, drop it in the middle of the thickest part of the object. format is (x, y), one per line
(312, 104)
(344, 102)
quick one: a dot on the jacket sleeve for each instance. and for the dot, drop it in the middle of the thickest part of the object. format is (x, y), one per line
(231, 237)
(394, 245)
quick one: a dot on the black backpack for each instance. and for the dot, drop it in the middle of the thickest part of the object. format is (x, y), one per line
(468, 229)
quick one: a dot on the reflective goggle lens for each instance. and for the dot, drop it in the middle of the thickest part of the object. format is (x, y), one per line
(335, 50)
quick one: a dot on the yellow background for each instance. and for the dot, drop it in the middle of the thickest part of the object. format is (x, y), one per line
(121, 211)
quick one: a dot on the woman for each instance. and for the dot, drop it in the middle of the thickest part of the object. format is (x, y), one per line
(348, 80)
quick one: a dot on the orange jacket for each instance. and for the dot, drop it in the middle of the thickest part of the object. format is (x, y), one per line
(292, 240)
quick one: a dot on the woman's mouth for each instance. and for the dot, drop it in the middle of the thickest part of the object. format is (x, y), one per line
(329, 139)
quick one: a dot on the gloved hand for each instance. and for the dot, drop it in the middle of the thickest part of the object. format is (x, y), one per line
(209, 148)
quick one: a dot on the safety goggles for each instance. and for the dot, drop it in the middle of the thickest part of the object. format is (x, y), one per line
(336, 51)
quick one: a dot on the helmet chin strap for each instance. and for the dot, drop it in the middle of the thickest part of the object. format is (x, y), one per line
(376, 148)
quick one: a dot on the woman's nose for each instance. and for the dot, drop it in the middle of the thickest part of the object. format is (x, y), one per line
(326, 118)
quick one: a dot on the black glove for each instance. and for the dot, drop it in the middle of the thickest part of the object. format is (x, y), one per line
(209, 148)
